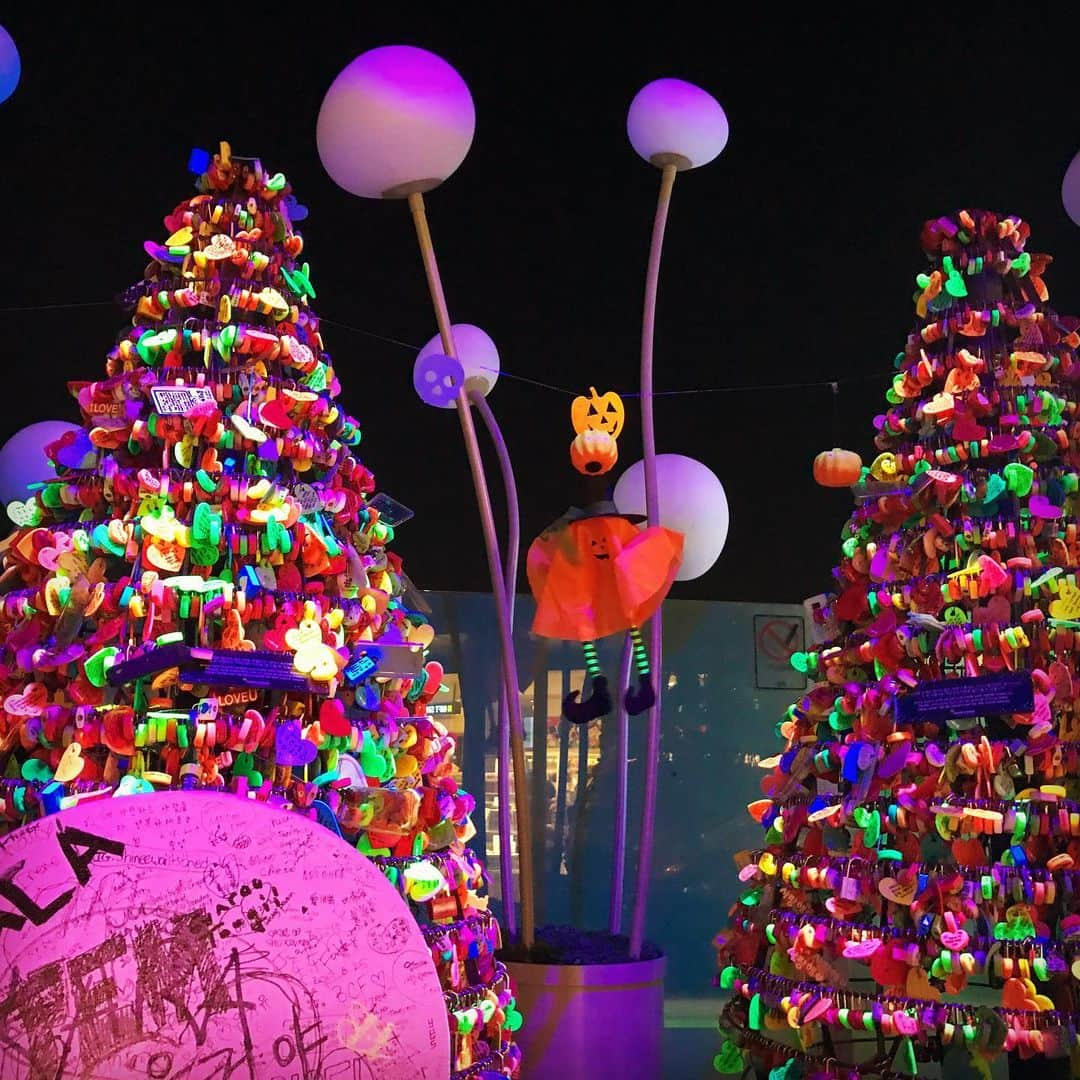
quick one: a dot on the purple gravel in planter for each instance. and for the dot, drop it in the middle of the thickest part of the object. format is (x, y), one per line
(569, 945)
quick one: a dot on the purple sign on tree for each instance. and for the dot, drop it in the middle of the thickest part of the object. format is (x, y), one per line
(985, 695)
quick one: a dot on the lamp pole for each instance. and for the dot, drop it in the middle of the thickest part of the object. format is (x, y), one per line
(495, 569)
(652, 511)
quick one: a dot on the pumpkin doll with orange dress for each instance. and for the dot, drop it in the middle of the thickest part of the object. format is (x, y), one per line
(594, 573)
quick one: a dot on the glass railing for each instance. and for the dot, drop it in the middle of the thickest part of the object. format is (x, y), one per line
(728, 682)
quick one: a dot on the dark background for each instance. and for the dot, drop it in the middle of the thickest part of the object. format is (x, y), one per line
(791, 258)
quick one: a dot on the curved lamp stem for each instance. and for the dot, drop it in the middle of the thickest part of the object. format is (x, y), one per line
(652, 509)
(510, 571)
(622, 755)
(491, 543)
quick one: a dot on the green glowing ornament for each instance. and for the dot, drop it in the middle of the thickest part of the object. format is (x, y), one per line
(789, 1070)
(904, 1058)
(34, 770)
(995, 488)
(244, 765)
(756, 1013)
(729, 1060)
(954, 284)
(1019, 478)
(97, 666)
(299, 281)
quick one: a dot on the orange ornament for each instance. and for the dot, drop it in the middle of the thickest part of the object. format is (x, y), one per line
(837, 468)
(598, 412)
(594, 453)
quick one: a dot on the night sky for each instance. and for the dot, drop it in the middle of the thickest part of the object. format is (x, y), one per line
(790, 259)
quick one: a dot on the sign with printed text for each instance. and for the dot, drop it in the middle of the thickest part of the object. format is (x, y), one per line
(178, 935)
(776, 638)
(960, 699)
(177, 400)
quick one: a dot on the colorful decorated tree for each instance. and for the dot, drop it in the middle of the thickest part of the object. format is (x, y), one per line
(204, 596)
(920, 822)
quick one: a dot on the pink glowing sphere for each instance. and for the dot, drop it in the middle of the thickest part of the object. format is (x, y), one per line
(397, 120)
(671, 121)
(1070, 190)
(475, 351)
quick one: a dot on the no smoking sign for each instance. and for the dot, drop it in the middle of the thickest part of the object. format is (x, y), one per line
(776, 637)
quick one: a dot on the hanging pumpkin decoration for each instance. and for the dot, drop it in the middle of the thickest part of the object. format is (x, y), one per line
(594, 453)
(837, 468)
(595, 572)
(598, 413)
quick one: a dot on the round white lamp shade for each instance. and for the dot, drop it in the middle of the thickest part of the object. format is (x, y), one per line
(692, 501)
(674, 122)
(476, 353)
(397, 120)
(22, 457)
(1070, 190)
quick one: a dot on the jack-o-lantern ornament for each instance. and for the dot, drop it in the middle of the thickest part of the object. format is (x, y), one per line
(837, 468)
(594, 573)
(598, 412)
(594, 453)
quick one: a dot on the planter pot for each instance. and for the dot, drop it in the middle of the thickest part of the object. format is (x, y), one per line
(590, 1020)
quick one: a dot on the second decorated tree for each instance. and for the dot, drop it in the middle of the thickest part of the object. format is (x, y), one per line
(914, 897)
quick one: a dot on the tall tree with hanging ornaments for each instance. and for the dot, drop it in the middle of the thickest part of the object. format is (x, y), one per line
(915, 895)
(203, 596)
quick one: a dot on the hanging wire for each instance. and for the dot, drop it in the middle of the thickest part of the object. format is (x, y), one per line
(832, 384)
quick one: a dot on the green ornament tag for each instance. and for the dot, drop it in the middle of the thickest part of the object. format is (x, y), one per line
(36, 770)
(729, 1060)
(756, 1013)
(904, 1059)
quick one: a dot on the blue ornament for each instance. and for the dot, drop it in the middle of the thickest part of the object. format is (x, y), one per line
(198, 161)
(10, 65)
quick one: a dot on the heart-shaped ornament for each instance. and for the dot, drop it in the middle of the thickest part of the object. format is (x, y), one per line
(1040, 506)
(70, 765)
(995, 488)
(34, 770)
(74, 450)
(955, 940)
(274, 415)
(24, 514)
(918, 985)
(899, 892)
(31, 702)
(221, 246)
(290, 747)
(861, 950)
(1067, 604)
(997, 610)
(940, 407)
(332, 718)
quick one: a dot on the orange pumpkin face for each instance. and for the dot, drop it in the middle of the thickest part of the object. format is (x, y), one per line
(594, 453)
(837, 468)
(597, 412)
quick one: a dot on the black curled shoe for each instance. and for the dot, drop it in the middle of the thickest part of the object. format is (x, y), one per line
(641, 697)
(598, 703)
